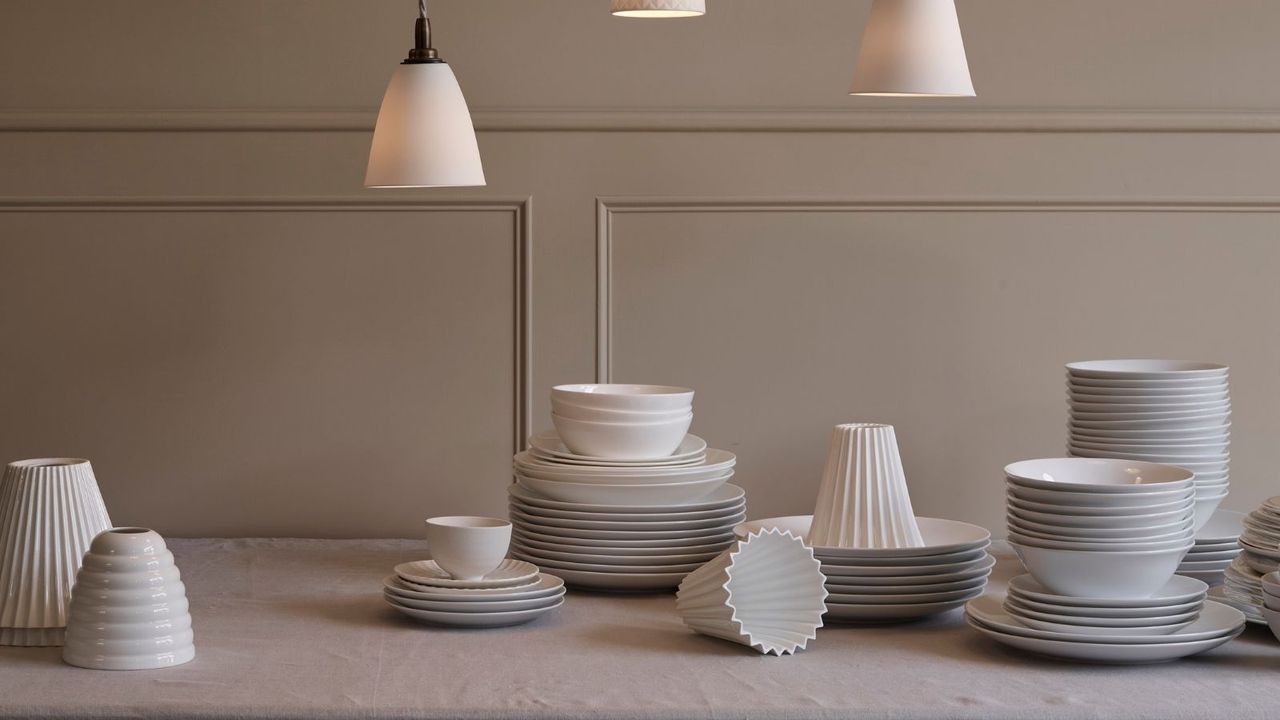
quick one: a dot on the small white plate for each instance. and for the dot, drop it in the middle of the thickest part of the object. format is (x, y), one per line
(427, 572)
(544, 586)
(1104, 612)
(722, 497)
(1104, 653)
(475, 607)
(1178, 591)
(474, 619)
(1025, 613)
(548, 443)
(1094, 630)
(854, 612)
(1216, 620)
(727, 520)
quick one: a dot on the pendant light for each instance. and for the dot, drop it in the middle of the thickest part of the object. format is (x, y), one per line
(658, 8)
(912, 48)
(424, 136)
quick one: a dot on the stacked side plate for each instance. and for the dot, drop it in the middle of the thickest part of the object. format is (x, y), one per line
(1163, 411)
(870, 585)
(623, 547)
(1260, 540)
(1217, 544)
(514, 594)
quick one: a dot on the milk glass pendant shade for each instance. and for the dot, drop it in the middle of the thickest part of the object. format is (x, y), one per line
(424, 136)
(658, 8)
(912, 48)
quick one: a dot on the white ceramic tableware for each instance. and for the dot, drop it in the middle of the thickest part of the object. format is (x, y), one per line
(1084, 573)
(50, 511)
(1084, 394)
(1182, 543)
(1147, 369)
(1078, 611)
(668, 559)
(558, 565)
(728, 519)
(690, 536)
(622, 440)
(1176, 591)
(1076, 500)
(643, 398)
(863, 500)
(714, 463)
(940, 537)
(129, 608)
(676, 516)
(1172, 436)
(1122, 537)
(1082, 475)
(622, 548)
(595, 542)
(766, 592)
(1216, 620)
(1145, 389)
(886, 612)
(468, 547)
(1054, 521)
(837, 585)
(547, 446)
(581, 412)
(1183, 503)
(542, 586)
(492, 606)
(1025, 612)
(508, 573)
(647, 495)
(474, 619)
(723, 496)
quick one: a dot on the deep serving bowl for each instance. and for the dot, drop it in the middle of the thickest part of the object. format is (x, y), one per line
(1100, 475)
(622, 441)
(1147, 369)
(648, 398)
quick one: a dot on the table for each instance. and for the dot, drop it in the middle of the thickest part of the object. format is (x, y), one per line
(297, 629)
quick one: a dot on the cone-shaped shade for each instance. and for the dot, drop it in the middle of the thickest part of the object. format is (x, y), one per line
(863, 501)
(50, 510)
(913, 48)
(424, 136)
(658, 8)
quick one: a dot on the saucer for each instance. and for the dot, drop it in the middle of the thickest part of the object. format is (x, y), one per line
(427, 572)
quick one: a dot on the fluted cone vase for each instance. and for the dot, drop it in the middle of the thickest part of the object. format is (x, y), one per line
(50, 511)
(863, 501)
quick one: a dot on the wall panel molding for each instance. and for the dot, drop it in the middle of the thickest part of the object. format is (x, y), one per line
(520, 209)
(607, 208)
(995, 120)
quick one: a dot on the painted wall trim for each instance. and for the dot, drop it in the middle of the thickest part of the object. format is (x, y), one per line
(1048, 120)
(520, 208)
(609, 207)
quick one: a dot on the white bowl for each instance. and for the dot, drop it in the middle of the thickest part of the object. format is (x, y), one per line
(1097, 475)
(581, 412)
(643, 398)
(1101, 574)
(651, 494)
(1183, 541)
(1136, 501)
(1147, 369)
(1217, 422)
(1176, 592)
(1273, 620)
(622, 441)
(1067, 509)
(1167, 436)
(1143, 521)
(1158, 533)
(1166, 454)
(1146, 398)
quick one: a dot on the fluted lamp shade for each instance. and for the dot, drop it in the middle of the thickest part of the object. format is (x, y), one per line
(912, 48)
(424, 136)
(658, 8)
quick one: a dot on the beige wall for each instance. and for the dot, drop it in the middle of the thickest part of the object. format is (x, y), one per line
(196, 293)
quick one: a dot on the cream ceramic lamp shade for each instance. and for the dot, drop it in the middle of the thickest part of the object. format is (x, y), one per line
(424, 136)
(913, 48)
(658, 8)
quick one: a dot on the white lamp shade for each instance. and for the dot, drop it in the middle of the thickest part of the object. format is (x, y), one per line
(424, 136)
(912, 48)
(658, 8)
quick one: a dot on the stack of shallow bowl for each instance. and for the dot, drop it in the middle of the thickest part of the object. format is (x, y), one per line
(624, 502)
(1162, 411)
(1217, 544)
(873, 585)
(1102, 539)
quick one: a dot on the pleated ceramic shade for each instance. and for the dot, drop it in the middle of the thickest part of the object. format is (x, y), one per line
(863, 500)
(424, 136)
(913, 48)
(50, 511)
(658, 8)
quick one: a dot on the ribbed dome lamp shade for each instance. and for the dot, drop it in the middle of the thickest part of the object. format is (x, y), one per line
(913, 48)
(424, 136)
(658, 8)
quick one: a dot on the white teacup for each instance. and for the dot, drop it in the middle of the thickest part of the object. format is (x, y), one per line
(468, 547)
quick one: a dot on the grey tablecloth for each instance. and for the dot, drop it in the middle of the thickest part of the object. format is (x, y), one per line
(297, 629)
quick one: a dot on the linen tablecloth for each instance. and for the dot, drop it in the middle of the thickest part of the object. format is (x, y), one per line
(298, 629)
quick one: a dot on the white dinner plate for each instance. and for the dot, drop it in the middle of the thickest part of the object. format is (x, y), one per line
(985, 562)
(475, 607)
(1211, 558)
(668, 494)
(854, 586)
(906, 598)
(681, 541)
(1177, 591)
(597, 559)
(1216, 620)
(522, 498)
(1104, 653)
(1252, 613)
(714, 463)
(1083, 611)
(727, 520)
(724, 496)
(1224, 526)
(1148, 369)
(619, 552)
(1190, 566)
(427, 572)
(548, 443)
(906, 582)
(559, 565)
(1172, 436)
(941, 537)
(1023, 612)
(857, 612)
(475, 620)
(621, 581)
(544, 586)
(694, 534)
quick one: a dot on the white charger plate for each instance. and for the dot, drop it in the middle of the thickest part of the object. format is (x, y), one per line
(724, 496)
(1104, 653)
(545, 585)
(474, 619)
(942, 537)
(858, 612)
(426, 572)
(475, 607)
(728, 519)
(1216, 620)
(549, 443)
(669, 494)
(628, 560)
(604, 567)
(1177, 591)
(527, 523)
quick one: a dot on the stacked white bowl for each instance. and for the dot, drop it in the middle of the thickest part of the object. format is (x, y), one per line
(626, 502)
(887, 584)
(1102, 539)
(1271, 601)
(1217, 544)
(1162, 411)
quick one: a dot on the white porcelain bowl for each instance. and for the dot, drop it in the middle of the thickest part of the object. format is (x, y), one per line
(1100, 574)
(622, 441)
(1058, 532)
(1166, 454)
(1099, 475)
(1147, 369)
(1143, 521)
(1067, 509)
(647, 495)
(644, 398)
(581, 412)
(1136, 501)
(1184, 541)
(1271, 590)
(1146, 398)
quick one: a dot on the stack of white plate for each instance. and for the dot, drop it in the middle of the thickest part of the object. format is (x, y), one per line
(1163, 411)
(515, 593)
(1175, 621)
(1271, 601)
(1260, 540)
(869, 585)
(1217, 544)
(1100, 528)
(622, 546)
(1242, 590)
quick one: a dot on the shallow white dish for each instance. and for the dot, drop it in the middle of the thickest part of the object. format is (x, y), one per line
(837, 595)
(1177, 591)
(855, 585)
(908, 581)
(1215, 620)
(1104, 653)
(489, 606)
(1252, 613)
(1216, 433)
(1024, 612)
(1090, 475)
(1182, 502)
(1138, 502)
(544, 586)
(622, 581)
(531, 504)
(629, 560)
(942, 537)
(1053, 521)
(713, 461)
(1147, 369)
(720, 498)
(982, 564)
(680, 541)
(1183, 542)
(1091, 535)
(692, 535)
(592, 547)
(548, 448)
(1077, 611)
(640, 495)
(427, 572)
(1103, 575)
(861, 612)
(728, 519)
(1145, 397)
(475, 619)
(558, 565)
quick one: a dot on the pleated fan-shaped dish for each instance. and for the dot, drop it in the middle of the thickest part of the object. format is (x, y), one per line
(50, 510)
(129, 608)
(766, 592)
